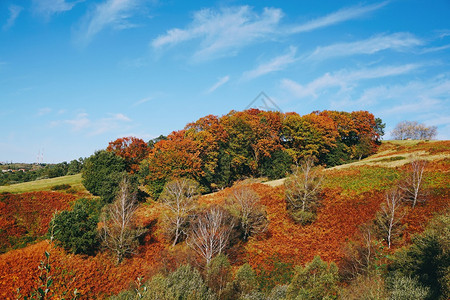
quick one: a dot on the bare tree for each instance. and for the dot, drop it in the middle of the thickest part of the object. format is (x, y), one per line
(414, 131)
(245, 204)
(119, 233)
(303, 188)
(390, 215)
(179, 196)
(210, 232)
(412, 186)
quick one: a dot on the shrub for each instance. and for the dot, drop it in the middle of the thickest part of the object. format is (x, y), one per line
(317, 280)
(406, 288)
(61, 187)
(428, 258)
(76, 230)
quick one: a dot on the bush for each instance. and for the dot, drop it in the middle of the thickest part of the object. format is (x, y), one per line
(317, 280)
(76, 230)
(428, 259)
(60, 187)
(102, 173)
(407, 288)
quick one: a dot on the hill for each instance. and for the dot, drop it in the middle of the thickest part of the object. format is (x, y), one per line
(46, 185)
(351, 197)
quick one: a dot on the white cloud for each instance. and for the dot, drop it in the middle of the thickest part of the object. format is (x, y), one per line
(142, 101)
(218, 84)
(47, 8)
(397, 41)
(44, 111)
(342, 79)
(14, 12)
(276, 64)
(337, 17)
(115, 14)
(92, 127)
(223, 32)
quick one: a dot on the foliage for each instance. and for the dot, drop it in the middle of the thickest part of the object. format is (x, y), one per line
(102, 173)
(274, 271)
(413, 130)
(428, 258)
(217, 151)
(302, 191)
(244, 283)
(61, 187)
(76, 230)
(218, 274)
(317, 280)
(185, 283)
(26, 217)
(406, 288)
(133, 150)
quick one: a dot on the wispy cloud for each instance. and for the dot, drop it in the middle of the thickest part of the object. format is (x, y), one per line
(412, 97)
(276, 64)
(44, 111)
(92, 127)
(339, 16)
(218, 84)
(397, 41)
(224, 32)
(342, 79)
(48, 8)
(14, 12)
(142, 101)
(113, 14)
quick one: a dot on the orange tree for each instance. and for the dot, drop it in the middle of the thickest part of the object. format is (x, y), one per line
(133, 150)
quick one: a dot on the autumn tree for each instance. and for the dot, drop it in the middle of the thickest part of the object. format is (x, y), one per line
(176, 157)
(119, 232)
(210, 232)
(388, 219)
(133, 150)
(412, 185)
(414, 131)
(179, 197)
(309, 135)
(244, 204)
(302, 190)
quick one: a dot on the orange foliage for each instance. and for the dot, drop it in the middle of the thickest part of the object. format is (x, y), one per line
(29, 214)
(132, 149)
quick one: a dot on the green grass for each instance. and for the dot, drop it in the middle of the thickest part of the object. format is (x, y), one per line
(45, 185)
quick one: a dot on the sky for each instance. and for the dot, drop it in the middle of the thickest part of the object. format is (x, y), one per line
(77, 74)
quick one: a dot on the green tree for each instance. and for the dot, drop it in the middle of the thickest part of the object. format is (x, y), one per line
(76, 230)
(428, 258)
(102, 173)
(218, 274)
(317, 280)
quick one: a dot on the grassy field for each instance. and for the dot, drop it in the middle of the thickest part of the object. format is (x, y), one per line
(45, 185)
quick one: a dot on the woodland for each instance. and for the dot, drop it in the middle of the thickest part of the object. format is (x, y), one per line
(249, 205)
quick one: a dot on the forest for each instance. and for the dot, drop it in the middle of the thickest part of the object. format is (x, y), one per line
(250, 205)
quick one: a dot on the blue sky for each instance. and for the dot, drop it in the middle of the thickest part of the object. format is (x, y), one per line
(75, 75)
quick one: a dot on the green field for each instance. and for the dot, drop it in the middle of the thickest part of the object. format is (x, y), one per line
(45, 185)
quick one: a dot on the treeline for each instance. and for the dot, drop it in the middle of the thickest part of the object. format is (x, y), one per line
(42, 171)
(217, 151)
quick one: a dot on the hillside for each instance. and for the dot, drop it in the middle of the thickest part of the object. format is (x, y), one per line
(351, 197)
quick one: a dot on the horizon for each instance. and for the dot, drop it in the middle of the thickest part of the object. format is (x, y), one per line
(75, 75)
